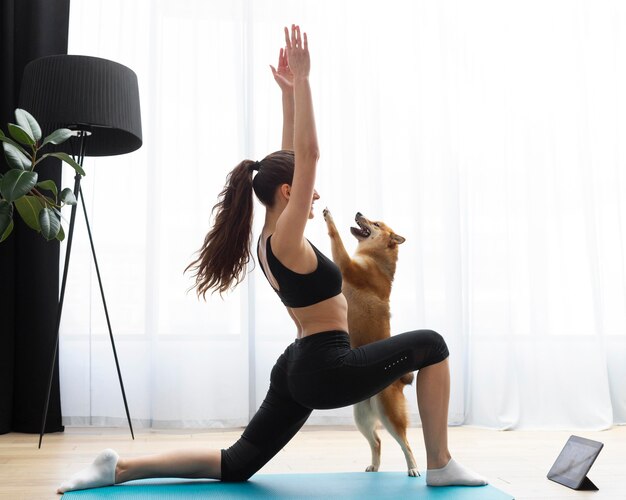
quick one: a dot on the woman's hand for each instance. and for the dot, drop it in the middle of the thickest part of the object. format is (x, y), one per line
(297, 52)
(283, 75)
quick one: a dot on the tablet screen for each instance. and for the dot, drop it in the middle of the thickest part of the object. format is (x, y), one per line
(574, 461)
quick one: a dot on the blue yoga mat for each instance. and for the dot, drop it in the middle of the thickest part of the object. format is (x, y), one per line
(344, 486)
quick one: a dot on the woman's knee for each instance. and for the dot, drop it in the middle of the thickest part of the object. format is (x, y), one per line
(242, 460)
(438, 349)
(237, 465)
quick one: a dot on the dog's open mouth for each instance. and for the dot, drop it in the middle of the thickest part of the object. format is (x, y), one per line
(362, 231)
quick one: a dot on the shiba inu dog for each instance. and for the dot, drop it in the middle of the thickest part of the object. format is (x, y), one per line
(367, 279)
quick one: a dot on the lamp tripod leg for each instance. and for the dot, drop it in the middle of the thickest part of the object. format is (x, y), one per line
(106, 312)
(68, 252)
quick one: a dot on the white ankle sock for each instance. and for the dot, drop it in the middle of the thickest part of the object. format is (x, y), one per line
(454, 474)
(100, 473)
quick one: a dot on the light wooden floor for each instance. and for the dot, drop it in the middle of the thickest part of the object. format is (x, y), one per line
(516, 461)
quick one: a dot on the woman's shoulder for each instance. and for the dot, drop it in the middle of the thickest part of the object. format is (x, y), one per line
(297, 255)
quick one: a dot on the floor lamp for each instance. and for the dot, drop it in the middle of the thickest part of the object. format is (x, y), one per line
(99, 100)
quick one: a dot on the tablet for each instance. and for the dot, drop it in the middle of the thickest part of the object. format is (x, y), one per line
(574, 461)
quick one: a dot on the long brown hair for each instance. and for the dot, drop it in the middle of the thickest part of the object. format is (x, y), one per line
(224, 256)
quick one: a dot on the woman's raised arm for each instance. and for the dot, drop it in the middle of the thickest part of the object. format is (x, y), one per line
(289, 234)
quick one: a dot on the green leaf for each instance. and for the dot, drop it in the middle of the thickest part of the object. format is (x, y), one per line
(4, 138)
(67, 159)
(67, 196)
(29, 207)
(61, 235)
(49, 223)
(20, 135)
(16, 183)
(6, 215)
(49, 185)
(28, 123)
(58, 136)
(15, 158)
(7, 232)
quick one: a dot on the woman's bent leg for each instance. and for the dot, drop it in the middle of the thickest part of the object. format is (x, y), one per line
(278, 419)
(425, 351)
(433, 396)
(366, 370)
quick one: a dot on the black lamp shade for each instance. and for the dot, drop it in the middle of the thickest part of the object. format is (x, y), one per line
(84, 93)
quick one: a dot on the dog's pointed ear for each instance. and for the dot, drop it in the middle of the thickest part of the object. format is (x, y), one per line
(396, 238)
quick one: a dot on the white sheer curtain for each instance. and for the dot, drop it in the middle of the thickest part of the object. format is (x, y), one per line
(490, 134)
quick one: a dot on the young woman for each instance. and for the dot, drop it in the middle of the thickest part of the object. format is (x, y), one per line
(318, 370)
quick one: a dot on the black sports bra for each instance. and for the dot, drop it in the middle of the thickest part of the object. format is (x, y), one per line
(301, 290)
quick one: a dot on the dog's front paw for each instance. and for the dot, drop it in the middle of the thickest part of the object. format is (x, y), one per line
(414, 472)
(327, 215)
(372, 468)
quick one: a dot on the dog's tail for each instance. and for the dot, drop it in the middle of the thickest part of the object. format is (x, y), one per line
(407, 379)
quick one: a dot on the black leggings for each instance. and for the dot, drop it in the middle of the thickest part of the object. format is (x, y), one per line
(321, 371)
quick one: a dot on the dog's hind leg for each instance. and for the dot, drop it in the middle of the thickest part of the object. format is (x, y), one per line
(390, 405)
(366, 421)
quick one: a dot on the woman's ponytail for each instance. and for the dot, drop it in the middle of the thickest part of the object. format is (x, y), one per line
(223, 258)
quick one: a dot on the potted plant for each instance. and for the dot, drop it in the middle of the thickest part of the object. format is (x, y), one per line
(38, 203)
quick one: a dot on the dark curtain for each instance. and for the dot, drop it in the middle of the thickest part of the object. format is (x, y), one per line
(29, 266)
